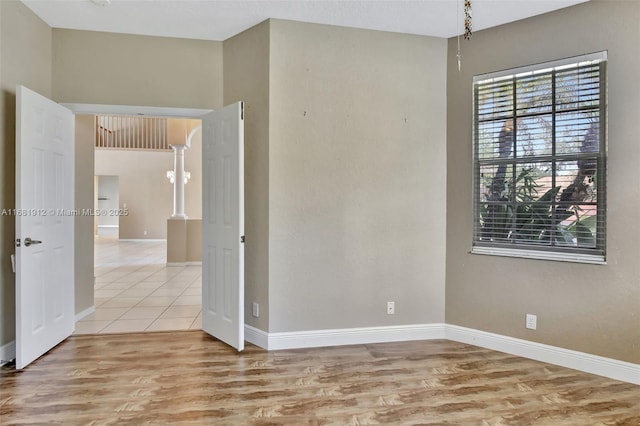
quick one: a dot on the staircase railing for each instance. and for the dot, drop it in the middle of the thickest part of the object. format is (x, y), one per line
(127, 132)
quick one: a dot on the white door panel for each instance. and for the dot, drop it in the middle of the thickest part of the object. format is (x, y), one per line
(223, 225)
(44, 194)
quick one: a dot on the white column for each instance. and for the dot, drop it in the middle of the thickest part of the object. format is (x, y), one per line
(178, 184)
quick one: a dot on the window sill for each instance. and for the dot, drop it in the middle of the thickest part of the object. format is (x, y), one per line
(540, 255)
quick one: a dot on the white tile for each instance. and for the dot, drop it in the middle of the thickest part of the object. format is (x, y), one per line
(99, 301)
(168, 272)
(116, 286)
(100, 270)
(152, 268)
(176, 284)
(127, 326)
(90, 327)
(134, 277)
(192, 291)
(177, 311)
(157, 301)
(144, 312)
(107, 293)
(197, 323)
(136, 292)
(126, 269)
(112, 275)
(163, 324)
(105, 314)
(147, 284)
(121, 302)
(175, 292)
(137, 287)
(155, 279)
(188, 300)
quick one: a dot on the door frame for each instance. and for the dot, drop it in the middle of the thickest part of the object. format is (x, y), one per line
(168, 112)
(140, 111)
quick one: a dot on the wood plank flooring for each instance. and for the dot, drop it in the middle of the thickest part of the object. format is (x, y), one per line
(190, 378)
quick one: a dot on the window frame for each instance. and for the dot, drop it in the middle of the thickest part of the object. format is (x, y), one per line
(556, 252)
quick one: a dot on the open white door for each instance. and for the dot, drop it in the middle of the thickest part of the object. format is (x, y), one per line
(223, 225)
(45, 308)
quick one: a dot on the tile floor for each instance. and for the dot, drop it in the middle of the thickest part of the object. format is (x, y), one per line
(135, 290)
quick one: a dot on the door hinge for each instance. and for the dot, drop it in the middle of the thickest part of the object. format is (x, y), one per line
(17, 242)
(241, 110)
(242, 239)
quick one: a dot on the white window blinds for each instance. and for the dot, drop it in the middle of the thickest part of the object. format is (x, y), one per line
(539, 161)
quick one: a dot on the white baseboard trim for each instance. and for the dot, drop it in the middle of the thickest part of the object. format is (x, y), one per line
(184, 263)
(354, 336)
(7, 352)
(594, 364)
(91, 309)
(256, 336)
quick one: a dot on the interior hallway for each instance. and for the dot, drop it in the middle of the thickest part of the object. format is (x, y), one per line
(135, 290)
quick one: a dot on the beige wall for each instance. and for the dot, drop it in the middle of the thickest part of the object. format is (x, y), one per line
(356, 177)
(108, 196)
(184, 241)
(84, 187)
(178, 130)
(107, 68)
(246, 78)
(589, 308)
(145, 189)
(25, 58)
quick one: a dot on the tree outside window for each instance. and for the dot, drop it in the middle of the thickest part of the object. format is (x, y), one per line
(539, 157)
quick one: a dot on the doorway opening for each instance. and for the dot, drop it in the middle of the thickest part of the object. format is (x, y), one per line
(69, 257)
(136, 288)
(107, 193)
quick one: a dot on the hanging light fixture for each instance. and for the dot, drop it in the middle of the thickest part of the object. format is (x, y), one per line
(468, 26)
(171, 175)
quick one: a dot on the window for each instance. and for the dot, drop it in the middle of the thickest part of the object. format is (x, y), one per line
(539, 161)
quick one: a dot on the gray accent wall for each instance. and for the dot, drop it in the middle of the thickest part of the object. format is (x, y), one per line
(246, 78)
(120, 69)
(588, 308)
(84, 200)
(357, 167)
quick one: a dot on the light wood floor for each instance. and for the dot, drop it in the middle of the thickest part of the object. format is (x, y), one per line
(190, 378)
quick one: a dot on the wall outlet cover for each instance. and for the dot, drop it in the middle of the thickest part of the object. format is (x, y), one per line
(531, 321)
(391, 308)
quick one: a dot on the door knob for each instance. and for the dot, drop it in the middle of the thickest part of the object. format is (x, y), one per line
(28, 241)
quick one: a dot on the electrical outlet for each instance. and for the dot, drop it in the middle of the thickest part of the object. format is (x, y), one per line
(531, 322)
(145, 232)
(255, 310)
(391, 308)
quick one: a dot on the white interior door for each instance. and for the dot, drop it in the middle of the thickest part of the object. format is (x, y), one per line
(44, 225)
(223, 225)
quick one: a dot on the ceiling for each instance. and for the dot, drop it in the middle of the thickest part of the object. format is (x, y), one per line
(219, 19)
